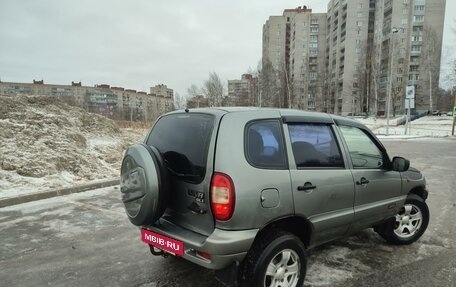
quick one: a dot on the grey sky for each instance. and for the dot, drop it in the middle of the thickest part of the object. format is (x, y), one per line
(138, 44)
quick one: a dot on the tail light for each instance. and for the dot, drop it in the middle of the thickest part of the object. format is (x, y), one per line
(222, 196)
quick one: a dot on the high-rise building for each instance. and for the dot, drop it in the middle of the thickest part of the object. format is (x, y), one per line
(407, 48)
(243, 92)
(342, 61)
(349, 23)
(294, 44)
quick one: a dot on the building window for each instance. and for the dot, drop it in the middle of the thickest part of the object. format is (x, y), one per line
(404, 21)
(313, 38)
(360, 14)
(418, 18)
(360, 5)
(417, 28)
(399, 79)
(416, 48)
(359, 23)
(405, 11)
(419, 7)
(414, 77)
(314, 21)
(314, 29)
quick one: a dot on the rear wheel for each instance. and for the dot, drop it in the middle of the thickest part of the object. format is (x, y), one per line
(409, 223)
(278, 259)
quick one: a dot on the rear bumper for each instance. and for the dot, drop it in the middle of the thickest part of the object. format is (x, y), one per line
(224, 246)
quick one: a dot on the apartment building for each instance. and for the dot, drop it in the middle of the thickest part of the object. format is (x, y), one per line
(407, 45)
(113, 102)
(305, 57)
(294, 44)
(349, 25)
(243, 92)
(342, 61)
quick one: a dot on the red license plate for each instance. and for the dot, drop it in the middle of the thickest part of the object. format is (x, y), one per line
(162, 242)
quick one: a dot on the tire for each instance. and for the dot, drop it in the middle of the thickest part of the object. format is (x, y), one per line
(277, 259)
(409, 224)
(143, 184)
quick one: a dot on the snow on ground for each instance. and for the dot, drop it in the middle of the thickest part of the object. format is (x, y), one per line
(429, 126)
(47, 144)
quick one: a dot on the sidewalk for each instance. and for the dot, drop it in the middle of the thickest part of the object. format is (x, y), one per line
(59, 192)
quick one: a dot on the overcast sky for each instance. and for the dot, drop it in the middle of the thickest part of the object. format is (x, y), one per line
(138, 44)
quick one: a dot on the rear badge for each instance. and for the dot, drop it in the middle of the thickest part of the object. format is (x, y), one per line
(199, 196)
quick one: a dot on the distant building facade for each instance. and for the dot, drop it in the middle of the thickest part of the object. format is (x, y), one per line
(243, 92)
(113, 102)
(198, 102)
(346, 61)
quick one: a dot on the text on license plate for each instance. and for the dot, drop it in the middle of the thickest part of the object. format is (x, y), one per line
(163, 242)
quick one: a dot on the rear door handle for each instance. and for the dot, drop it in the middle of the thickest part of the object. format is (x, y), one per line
(362, 181)
(306, 186)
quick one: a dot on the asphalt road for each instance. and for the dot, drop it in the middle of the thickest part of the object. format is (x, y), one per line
(86, 240)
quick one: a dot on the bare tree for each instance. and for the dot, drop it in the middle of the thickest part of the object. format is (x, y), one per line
(193, 91)
(213, 89)
(268, 85)
(179, 101)
(430, 54)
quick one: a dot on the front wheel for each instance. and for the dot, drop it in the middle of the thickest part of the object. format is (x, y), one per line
(409, 223)
(278, 259)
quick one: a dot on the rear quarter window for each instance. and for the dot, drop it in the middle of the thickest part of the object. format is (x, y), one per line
(183, 141)
(264, 147)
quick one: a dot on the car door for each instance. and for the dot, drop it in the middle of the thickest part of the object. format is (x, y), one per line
(323, 187)
(377, 186)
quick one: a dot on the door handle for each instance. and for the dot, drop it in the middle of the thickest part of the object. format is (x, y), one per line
(362, 181)
(306, 186)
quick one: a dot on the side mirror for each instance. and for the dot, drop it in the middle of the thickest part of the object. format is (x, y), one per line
(400, 164)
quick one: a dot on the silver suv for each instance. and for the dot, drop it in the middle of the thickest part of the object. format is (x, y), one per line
(249, 190)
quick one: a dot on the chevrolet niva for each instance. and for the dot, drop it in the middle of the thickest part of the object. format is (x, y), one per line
(246, 191)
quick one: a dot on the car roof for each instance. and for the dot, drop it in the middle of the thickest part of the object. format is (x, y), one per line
(288, 115)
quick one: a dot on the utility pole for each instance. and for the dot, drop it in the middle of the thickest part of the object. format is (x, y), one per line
(454, 113)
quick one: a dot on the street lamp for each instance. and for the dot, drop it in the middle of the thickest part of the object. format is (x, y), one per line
(390, 82)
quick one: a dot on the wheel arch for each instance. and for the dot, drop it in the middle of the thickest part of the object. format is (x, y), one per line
(419, 191)
(299, 226)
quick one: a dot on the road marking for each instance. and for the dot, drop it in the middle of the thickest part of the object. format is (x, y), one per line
(97, 208)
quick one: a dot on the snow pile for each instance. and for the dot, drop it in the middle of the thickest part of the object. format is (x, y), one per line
(46, 143)
(428, 126)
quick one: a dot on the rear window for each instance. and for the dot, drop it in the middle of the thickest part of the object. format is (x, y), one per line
(183, 140)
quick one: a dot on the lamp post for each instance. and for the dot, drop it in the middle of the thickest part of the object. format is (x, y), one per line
(390, 82)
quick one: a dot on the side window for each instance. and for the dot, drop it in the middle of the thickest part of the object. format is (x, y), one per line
(363, 151)
(314, 145)
(264, 146)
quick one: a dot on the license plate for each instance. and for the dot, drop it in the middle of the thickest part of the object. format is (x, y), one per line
(162, 242)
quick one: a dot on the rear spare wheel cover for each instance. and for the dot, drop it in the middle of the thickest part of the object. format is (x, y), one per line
(143, 184)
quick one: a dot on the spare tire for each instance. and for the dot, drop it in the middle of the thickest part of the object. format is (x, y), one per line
(143, 184)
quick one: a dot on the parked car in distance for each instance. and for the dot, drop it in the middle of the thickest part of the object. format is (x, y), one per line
(247, 191)
(436, 113)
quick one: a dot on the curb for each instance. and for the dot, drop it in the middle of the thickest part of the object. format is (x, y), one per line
(59, 192)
